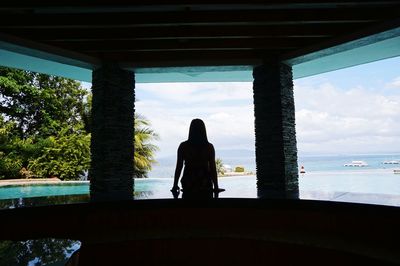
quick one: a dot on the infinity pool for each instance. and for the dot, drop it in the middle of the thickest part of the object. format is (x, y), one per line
(372, 187)
(244, 186)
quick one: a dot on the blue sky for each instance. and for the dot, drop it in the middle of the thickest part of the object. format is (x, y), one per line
(353, 110)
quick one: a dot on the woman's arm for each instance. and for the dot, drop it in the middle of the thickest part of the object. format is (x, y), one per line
(178, 168)
(213, 168)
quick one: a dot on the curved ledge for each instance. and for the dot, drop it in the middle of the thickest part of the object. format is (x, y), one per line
(366, 232)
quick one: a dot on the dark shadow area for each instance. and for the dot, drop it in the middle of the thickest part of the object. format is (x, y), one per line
(216, 231)
(217, 251)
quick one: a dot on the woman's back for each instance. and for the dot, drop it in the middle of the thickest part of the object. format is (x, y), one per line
(197, 171)
(197, 155)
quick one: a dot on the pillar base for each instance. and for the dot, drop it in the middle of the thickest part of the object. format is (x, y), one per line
(110, 196)
(263, 193)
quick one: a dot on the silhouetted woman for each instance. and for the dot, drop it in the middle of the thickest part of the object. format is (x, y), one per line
(199, 179)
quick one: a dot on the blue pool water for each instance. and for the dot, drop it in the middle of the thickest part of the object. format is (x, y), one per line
(150, 188)
(40, 190)
(325, 178)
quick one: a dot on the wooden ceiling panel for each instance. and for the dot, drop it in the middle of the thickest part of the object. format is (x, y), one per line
(185, 32)
(171, 32)
(188, 18)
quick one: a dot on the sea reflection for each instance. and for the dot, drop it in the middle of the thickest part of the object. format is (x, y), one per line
(37, 252)
(55, 200)
(41, 201)
(143, 195)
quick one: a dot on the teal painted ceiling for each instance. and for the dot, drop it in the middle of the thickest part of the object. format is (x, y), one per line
(371, 48)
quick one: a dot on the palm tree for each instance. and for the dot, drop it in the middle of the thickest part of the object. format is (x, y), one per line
(144, 150)
(220, 166)
(144, 135)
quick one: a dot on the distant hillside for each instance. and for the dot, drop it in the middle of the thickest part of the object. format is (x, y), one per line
(222, 153)
(235, 153)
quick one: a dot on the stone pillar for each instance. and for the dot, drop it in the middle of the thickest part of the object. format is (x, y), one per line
(112, 148)
(276, 150)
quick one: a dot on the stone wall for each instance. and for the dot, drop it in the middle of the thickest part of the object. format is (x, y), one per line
(276, 150)
(112, 149)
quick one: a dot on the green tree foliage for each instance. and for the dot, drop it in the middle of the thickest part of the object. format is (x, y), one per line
(66, 156)
(220, 166)
(87, 114)
(45, 126)
(239, 169)
(144, 149)
(39, 104)
(41, 126)
(15, 152)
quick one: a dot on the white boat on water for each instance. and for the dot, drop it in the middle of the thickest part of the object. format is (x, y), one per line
(356, 164)
(392, 162)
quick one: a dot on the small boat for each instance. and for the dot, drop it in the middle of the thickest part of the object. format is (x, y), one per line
(356, 164)
(392, 162)
(396, 171)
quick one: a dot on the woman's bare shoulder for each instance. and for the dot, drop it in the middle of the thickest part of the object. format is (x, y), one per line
(210, 146)
(183, 145)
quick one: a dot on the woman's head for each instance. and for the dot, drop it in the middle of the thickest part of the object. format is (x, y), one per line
(197, 132)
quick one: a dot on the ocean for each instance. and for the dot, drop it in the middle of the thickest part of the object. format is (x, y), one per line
(324, 173)
(165, 166)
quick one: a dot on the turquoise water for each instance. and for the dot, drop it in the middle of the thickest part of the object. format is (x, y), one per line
(150, 188)
(34, 190)
(325, 178)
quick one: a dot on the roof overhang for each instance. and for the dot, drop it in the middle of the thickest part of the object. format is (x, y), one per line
(367, 46)
(349, 51)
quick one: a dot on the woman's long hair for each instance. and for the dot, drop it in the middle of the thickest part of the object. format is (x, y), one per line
(197, 132)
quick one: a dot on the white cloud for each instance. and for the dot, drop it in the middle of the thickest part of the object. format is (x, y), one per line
(334, 120)
(199, 93)
(395, 83)
(329, 119)
(171, 107)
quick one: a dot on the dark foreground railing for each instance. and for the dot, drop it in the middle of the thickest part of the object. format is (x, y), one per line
(215, 232)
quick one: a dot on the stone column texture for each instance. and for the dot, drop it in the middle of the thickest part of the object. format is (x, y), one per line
(276, 148)
(112, 148)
